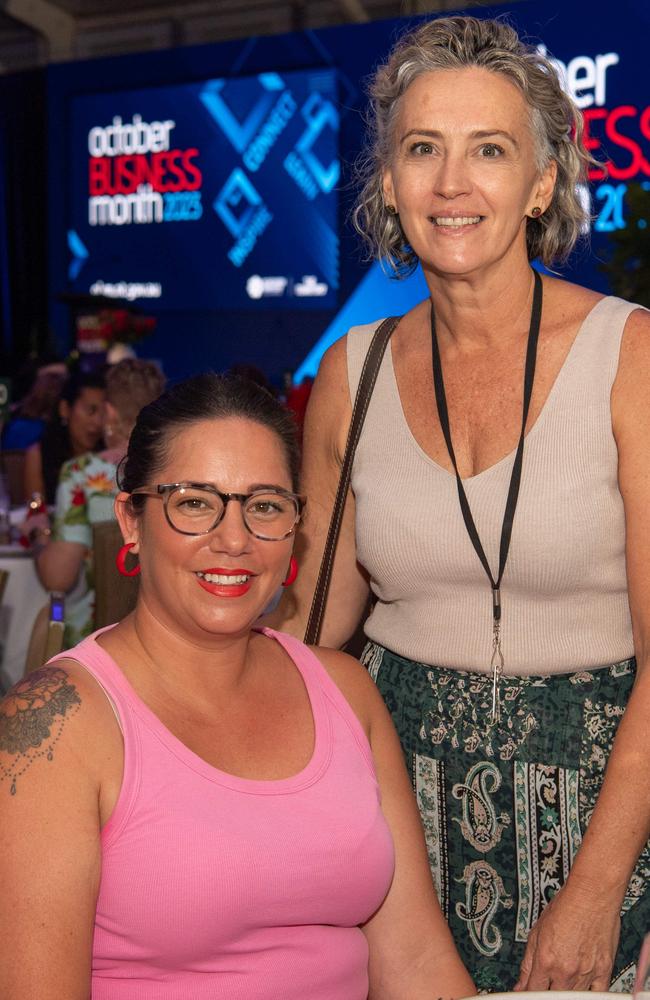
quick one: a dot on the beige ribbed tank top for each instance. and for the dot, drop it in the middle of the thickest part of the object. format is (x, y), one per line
(564, 590)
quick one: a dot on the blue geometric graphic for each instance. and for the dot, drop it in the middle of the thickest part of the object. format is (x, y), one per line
(375, 297)
(319, 113)
(236, 190)
(325, 249)
(79, 254)
(240, 133)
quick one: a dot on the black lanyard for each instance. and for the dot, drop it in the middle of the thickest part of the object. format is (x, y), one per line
(496, 662)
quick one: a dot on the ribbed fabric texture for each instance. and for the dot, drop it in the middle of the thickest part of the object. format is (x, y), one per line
(564, 591)
(218, 886)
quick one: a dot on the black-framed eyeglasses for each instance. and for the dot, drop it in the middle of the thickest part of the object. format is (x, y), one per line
(197, 508)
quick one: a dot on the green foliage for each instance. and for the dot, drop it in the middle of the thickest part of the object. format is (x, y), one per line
(628, 268)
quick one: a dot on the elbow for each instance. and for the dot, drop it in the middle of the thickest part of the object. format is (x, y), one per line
(55, 576)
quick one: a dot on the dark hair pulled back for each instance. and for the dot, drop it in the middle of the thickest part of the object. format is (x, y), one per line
(203, 397)
(78, 381)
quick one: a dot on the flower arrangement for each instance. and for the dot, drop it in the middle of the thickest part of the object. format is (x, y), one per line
(97, 331)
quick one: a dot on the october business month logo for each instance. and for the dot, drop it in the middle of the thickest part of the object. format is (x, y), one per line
(136, 175)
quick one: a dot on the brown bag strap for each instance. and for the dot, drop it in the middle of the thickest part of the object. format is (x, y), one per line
(367, 381)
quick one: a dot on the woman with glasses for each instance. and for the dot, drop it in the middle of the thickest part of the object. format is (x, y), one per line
(195, 807)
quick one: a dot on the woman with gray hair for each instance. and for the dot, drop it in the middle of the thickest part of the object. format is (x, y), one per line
(497, 515)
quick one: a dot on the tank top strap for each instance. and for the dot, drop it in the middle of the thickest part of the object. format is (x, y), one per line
(105, 671)
(596, 351)
(314, 673)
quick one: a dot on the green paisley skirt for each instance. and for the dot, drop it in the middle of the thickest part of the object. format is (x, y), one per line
(504, 804)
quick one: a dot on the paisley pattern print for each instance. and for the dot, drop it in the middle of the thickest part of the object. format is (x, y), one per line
(480, 824)
(504, 806)
(484, 891)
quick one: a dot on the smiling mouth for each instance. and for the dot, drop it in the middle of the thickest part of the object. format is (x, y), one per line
(224, 579)
(455, 221)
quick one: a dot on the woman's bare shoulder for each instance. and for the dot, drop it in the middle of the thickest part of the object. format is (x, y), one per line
(566, 302)
(52, 716)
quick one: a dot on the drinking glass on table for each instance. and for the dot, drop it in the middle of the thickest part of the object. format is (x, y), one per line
(642, 981)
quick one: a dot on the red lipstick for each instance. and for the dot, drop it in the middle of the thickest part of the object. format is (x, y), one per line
(221, 587)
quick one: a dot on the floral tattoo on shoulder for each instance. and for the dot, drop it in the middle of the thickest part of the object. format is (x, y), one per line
(32, 718)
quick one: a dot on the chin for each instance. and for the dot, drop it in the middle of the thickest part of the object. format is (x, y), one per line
(454, 268)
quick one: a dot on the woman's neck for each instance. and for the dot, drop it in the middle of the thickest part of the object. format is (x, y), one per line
(487, 310)
(185, 666)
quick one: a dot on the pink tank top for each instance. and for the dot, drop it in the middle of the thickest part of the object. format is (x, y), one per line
(215, 886)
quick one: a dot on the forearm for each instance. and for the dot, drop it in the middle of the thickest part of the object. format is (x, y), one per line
(420, 976)
(620, 824)
(33, 472)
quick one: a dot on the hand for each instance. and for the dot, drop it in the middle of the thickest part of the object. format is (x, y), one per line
(35, 530)
(572, 946)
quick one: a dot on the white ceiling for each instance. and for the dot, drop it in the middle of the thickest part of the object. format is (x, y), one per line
(36, 32)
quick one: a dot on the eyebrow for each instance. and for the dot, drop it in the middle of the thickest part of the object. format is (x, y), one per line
(254, 488)
(479, 134)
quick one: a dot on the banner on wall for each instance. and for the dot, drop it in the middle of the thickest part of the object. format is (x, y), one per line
(213, 195)
(617, 132)
(195, 233)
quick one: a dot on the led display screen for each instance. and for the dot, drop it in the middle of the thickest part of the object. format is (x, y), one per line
(213, 195)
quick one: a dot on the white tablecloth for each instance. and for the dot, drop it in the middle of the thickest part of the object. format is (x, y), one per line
(24, 596)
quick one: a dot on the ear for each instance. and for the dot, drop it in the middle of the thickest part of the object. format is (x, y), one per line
(128, 521)
(64, 409)
(545, 187)
(110, 411)
(388, 187)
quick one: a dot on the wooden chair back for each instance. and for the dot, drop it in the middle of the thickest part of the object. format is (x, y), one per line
(115, 595)
(46, 639)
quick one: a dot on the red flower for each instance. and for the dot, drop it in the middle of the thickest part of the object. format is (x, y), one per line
(78, 497)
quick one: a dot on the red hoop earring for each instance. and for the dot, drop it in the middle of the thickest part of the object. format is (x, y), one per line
(120, 561)
(292, 574)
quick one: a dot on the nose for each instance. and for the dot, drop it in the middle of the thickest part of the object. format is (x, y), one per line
(231, 534)
(452, 176)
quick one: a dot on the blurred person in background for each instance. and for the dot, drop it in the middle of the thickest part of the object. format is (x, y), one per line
(31, 415)
(75, 429)
(86, 490)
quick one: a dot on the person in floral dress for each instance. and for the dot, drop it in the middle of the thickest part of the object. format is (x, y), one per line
(85, 494)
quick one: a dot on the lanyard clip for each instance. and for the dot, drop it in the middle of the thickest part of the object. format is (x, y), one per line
(496, 666)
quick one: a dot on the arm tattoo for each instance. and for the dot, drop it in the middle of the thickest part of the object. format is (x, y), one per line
(32, 717)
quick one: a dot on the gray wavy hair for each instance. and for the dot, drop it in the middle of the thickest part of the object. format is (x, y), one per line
(556, 125)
